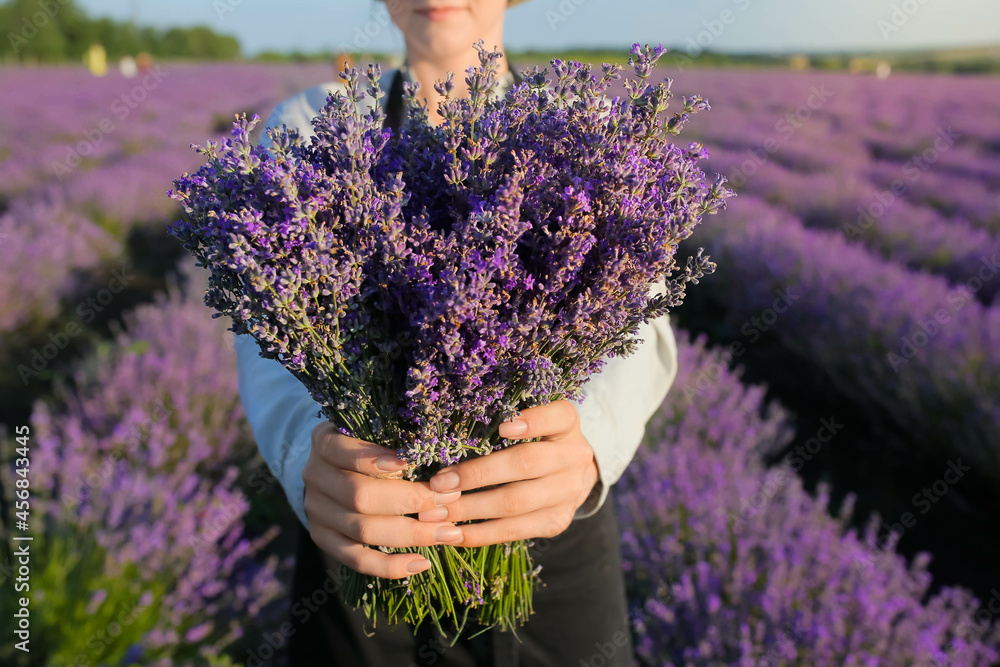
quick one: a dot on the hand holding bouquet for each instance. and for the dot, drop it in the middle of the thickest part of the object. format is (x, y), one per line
(425, 285)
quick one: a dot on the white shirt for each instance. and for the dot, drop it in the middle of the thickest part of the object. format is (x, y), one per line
(617, 402)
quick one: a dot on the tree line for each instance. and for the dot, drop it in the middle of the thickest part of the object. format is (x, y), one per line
(52, 31)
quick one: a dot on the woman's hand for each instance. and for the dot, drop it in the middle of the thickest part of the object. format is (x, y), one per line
(544, 482)
(347, 508)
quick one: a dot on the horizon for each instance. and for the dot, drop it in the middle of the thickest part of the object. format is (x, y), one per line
(732, 27)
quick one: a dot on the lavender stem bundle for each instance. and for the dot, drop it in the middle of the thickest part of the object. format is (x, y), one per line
(426, 284)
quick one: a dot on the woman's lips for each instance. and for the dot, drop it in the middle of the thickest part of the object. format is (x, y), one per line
(438, 13)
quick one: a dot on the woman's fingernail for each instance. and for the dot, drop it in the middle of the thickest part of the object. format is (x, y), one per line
(442, 498)
(387, 463)
(513, 429)
(444, 481)
(448, 534)
(418, 565)
(436, 514)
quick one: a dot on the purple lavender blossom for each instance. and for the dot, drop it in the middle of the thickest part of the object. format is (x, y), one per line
(424, 284)
(143, 454)
(731, 563)
(922, 356)
(43, 243)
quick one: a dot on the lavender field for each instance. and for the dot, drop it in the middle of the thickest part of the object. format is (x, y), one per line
(820, 486)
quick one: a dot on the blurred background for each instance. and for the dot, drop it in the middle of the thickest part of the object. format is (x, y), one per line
(821, 484)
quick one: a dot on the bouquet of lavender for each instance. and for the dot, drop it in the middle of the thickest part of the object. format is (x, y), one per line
(426, 284)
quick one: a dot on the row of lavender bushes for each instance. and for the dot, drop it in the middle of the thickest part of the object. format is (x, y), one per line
(801, 177)
(148, 559)
(174, 483)
(145, 515)
(77, 180)
(46, 245)
(938, 136)
(859, 204)
(140, 460)
(730, 563)
(917, 155)
(909, 352)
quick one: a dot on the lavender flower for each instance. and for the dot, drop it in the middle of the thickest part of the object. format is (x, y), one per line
(711, 582)
(143, 454)
(425, 284)
(923, 355)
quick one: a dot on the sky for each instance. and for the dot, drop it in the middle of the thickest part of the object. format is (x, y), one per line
(759, 26)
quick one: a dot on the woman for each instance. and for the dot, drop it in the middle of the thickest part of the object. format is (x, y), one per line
(554, 491)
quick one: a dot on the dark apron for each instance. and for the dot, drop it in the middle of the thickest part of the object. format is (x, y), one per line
(580, 612)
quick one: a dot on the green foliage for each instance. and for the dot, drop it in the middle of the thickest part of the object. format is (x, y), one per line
(50, 31)
(77, 610)
(198, 42)
(333, 57)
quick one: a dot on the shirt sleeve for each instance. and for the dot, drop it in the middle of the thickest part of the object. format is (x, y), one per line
(619, 400)
(282, 416)
(279, 408)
